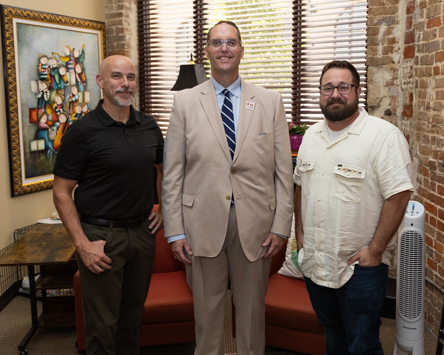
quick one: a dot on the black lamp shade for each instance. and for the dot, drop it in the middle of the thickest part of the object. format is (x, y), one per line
(190, 75)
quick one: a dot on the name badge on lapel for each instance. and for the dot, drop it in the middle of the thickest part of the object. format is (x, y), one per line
(249, 105)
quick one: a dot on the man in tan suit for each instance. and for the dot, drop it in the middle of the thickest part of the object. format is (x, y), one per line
(227, 213)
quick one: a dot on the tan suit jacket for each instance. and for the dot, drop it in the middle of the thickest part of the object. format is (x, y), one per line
(200, 176)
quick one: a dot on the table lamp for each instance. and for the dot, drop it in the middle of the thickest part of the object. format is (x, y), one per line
(190, 75)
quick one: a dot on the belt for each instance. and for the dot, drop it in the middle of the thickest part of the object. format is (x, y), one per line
(114, 223)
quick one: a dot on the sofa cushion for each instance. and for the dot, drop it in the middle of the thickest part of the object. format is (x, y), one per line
(288, 305)
(169, 299)
(164, 259)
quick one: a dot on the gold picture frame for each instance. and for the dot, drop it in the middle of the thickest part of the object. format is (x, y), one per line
(44, 96)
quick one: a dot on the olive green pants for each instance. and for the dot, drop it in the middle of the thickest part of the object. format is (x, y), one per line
(113, 300)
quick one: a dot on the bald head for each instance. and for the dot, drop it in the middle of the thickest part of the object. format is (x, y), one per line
(115, 60)
(117, 79)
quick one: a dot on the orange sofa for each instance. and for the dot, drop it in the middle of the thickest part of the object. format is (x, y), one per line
(290, 321)
(169, 314)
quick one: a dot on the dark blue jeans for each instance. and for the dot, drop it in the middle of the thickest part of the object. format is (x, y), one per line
(351, 315)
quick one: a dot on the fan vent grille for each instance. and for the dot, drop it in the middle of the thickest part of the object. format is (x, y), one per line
(411, 275)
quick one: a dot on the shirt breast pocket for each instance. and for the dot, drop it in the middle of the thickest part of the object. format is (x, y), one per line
(348, 183)
(306, 171)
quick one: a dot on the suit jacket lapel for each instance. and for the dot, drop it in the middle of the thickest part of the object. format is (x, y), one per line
(246, 109)
(211, 108)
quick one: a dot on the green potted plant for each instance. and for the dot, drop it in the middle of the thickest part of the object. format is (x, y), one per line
(296, 132)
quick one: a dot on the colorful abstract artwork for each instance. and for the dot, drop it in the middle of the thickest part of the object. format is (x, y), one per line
(51, 62)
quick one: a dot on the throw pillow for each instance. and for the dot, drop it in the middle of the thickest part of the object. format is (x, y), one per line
(290, 266)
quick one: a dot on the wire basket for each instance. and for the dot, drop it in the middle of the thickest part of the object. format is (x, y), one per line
(12, 276)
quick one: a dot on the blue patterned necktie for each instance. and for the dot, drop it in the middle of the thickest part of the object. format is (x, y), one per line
(228, 120)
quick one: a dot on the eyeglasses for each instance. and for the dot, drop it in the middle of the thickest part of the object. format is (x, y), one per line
(343, 89)
(217, 43)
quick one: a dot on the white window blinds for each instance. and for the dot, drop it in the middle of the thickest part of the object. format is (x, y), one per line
(286, 45)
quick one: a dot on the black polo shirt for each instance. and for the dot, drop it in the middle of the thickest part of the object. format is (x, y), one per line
(112, 162)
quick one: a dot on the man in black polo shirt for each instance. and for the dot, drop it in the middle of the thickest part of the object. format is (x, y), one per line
(110, 154)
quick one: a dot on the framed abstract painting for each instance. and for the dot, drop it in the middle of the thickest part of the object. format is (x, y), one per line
(49, 63)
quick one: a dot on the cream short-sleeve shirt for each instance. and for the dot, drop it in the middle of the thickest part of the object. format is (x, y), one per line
(344, 185)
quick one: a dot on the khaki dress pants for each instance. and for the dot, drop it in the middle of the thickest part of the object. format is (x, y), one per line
(208, 278)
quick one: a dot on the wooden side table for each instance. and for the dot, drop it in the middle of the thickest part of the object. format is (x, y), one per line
(45, 245)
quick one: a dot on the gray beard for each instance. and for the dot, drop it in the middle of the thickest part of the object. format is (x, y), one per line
(123, 103)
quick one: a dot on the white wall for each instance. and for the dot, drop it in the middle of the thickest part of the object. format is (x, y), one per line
(24, 210)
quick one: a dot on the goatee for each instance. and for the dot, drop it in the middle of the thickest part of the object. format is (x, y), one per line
(123, 103)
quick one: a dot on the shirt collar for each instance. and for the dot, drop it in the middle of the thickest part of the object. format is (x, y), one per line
(107, 119)
(234, 88)
(355, 128)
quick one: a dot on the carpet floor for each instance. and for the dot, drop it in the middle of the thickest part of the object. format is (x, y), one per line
(15, 321)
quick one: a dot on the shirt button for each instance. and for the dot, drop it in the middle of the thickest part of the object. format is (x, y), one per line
(233, 171)
(228, 197)
(319, 200)
(323, 174)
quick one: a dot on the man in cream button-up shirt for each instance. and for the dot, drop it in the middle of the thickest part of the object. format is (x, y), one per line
(354, 181)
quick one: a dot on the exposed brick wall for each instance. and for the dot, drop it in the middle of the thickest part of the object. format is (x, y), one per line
(119, 27)
(121, 31)
(406, 87)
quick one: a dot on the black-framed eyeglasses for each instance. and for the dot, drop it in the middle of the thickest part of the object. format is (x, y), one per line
(343, 89)
(217, 43)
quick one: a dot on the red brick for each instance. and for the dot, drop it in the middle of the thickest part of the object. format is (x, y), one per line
(439, 247)
(440, 225)
(434, 22)
(428, 240)
(432, 209)
(407, 112)
(409, 23)
(432, 264)
(439, 178)
(432, 221)
(432, 186)
(409, 52)
(441, 214)
(410, 8)
(440, 236)
(409, 37)
(436, 70)
(407, 138)
(439, 56)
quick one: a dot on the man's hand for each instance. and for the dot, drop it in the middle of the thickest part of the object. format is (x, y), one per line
(300, 240)
(178, 247)
(275, 243)
(94, 257)
(366, 257)
(156, 222)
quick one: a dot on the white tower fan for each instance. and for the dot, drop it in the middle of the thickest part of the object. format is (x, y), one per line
(411, 282)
